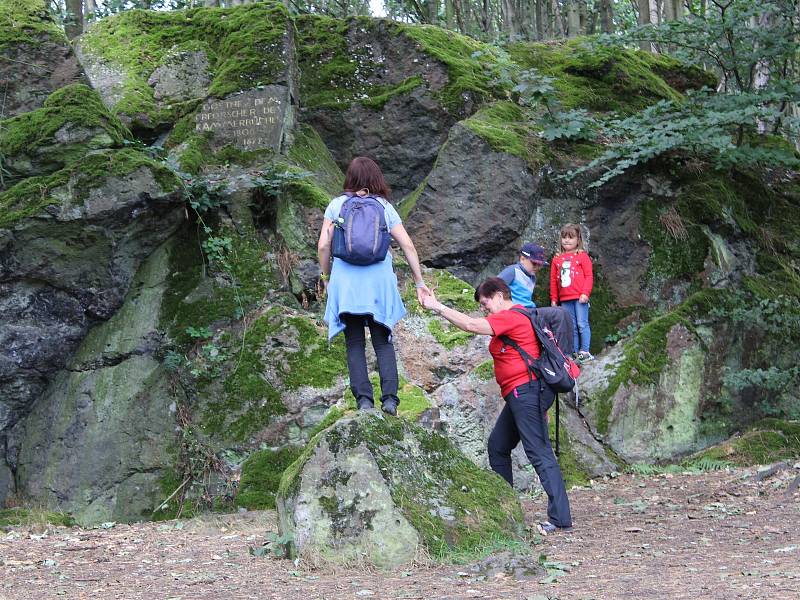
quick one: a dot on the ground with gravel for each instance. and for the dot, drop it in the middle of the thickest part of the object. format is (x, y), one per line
(724, 534)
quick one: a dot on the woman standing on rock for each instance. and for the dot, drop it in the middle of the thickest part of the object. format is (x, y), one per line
(361, 293)
(526, 399)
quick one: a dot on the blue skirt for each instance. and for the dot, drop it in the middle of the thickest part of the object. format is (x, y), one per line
(363, 290)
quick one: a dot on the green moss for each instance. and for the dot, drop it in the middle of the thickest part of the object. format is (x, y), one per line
(484, 371)
(263, 367)
(768, 441)
(379, 96)
(671, 257)
(31, 196)
(15, 517)
(408, 203)
(335, 72)
(27, 22)
(473, 68)
(195, 299)
(448, 335)
(504, 127)
(245, 48)
(645, 354)
(261, 475)
(76, 105)
(604, 78)
(453, 291)
(309, 152)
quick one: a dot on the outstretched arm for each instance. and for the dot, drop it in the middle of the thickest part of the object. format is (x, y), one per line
(459, 319)
(324, 250)
(401, 236)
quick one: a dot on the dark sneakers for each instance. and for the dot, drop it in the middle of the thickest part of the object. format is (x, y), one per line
(546, 528)
(365, 404)
(389, 406)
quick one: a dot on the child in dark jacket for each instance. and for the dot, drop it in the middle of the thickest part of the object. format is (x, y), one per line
(571, 281)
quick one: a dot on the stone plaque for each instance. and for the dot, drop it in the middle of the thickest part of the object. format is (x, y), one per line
(252, 120)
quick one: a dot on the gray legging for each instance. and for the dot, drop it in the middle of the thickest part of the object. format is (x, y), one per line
(356, 342)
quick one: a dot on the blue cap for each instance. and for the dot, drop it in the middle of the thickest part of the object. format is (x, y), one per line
(533, 252)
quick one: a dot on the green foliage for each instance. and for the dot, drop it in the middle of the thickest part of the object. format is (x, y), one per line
(705, 125)
(744, 41)
(621, 334)
(771, 381)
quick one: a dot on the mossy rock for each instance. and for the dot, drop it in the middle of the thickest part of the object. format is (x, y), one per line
(608, 79)
(767, 441)
(74, 183)
(26, 22)
(644, 355)
(281, 352)
(504, 126)
(245, 46)
(384, 486)
(72, 122)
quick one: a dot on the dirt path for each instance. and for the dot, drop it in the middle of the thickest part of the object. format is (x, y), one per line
(716, 535)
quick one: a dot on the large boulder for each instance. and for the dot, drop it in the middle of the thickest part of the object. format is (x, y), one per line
(378, 489)
(453, 218)
(181, 59)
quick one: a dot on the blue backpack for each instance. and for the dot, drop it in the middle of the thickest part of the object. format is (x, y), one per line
(360, 234)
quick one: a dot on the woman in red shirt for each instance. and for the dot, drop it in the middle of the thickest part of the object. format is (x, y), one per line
(523, 417)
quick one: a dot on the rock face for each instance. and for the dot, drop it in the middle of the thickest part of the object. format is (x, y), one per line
(96, 444)
(455, 219)
(375, 488)
(367, 58)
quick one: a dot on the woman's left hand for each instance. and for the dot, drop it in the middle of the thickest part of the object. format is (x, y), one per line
(584, 299)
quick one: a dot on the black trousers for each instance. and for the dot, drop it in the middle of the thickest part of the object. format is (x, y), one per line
(523, 418)
(356, 343)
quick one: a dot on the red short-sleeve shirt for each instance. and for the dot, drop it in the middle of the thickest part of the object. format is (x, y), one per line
(509, 368)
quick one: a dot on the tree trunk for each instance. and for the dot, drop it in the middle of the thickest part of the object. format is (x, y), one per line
(644, 19)
(538, 17)
(73, 22)
(573, 19)
(606, 16)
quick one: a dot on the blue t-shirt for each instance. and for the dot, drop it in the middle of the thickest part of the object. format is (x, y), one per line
(521, 284)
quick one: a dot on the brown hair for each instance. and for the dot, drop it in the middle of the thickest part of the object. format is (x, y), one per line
(574, 231)
(489, 287)
(363, 173)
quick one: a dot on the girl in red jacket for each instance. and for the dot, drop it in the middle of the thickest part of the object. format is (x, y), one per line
(571, 282)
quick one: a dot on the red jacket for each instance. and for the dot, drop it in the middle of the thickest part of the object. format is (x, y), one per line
(570, 276)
